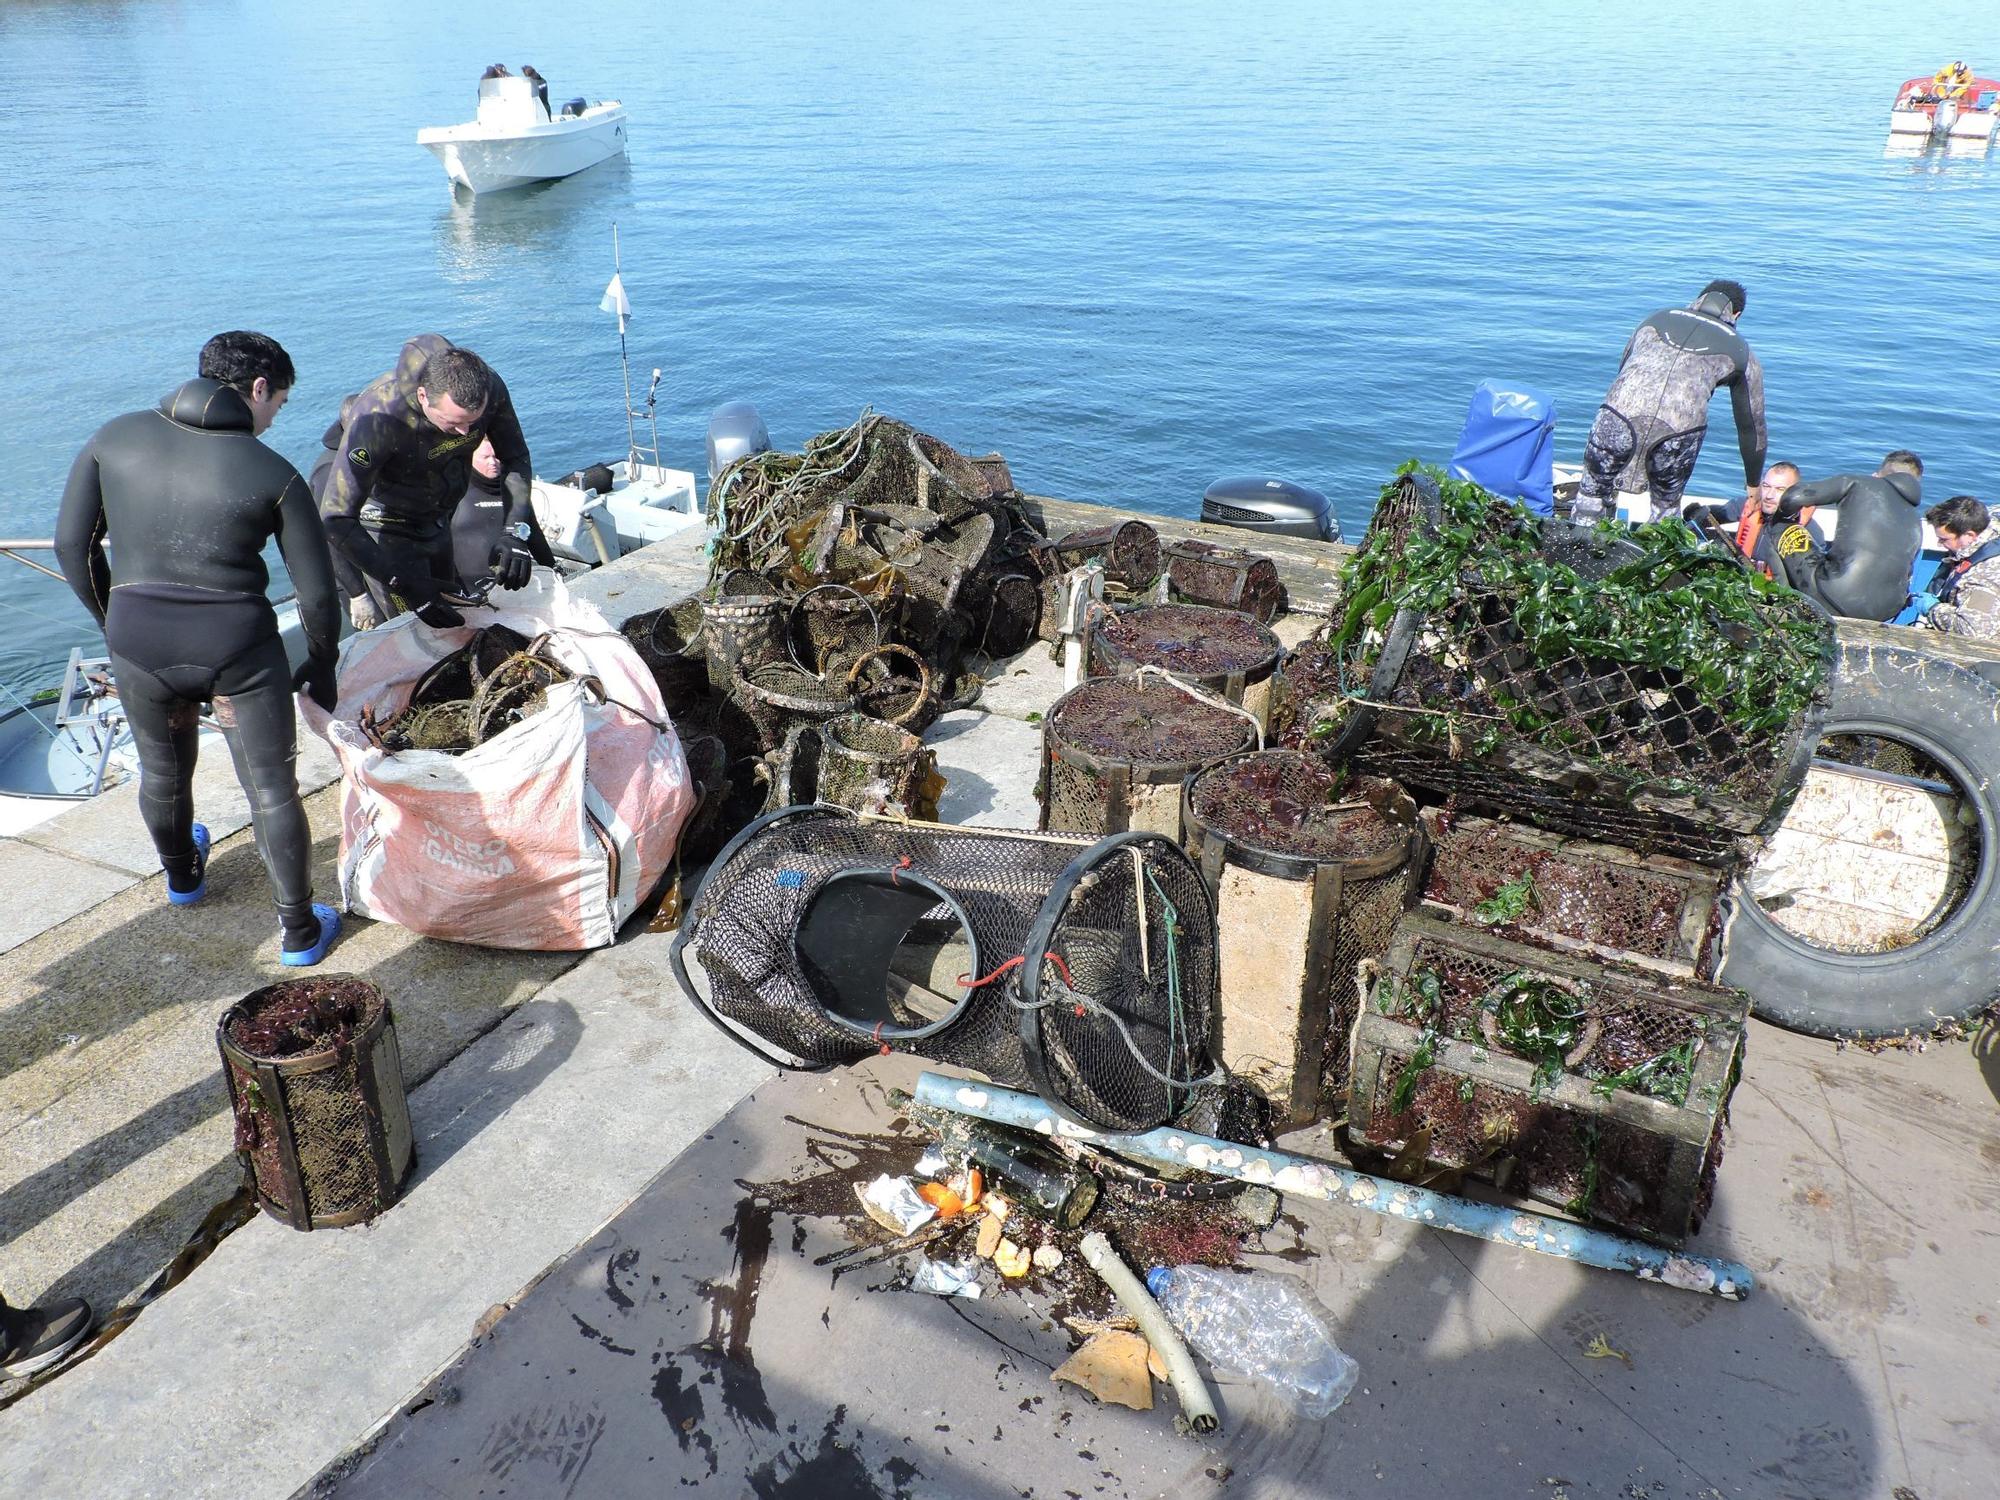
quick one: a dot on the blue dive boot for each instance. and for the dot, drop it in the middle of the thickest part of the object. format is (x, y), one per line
(188, 898)
(303, 958)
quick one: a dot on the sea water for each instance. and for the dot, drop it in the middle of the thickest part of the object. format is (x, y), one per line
(1135, 247)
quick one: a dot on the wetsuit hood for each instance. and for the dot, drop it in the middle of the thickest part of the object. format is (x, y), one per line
(209, 405)
(1715, 304)
(1909, 488)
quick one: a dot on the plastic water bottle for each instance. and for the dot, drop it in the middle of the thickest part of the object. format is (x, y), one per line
(1261, 1325)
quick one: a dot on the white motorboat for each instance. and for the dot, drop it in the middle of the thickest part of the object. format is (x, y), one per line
(514, 141)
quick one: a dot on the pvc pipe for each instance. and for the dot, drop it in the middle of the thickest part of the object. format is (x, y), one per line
(1523, 1229)
(1197, 1406)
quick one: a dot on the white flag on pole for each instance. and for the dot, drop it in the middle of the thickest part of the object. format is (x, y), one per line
(615, 301)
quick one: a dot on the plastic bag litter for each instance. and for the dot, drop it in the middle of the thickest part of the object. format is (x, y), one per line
(893, 1203)
(943, 1278)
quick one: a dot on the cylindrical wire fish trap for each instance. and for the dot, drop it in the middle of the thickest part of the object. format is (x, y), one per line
(1224, 578)
(1225, 652)
(668, 641)
(1310, 872)
(860, 763)
(316, 1086)
(1115, 751)
(1085, 970)
(743, 627)
(1618, 738)
(778, 696)
(1129, 550)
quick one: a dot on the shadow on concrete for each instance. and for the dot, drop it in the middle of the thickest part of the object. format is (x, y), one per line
(696, 1342)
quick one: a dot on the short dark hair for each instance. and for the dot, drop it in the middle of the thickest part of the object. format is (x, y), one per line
(1905, 460)
(1733, 290)
(238, 358)
(1961, 513)
(1784, 463)
(459, 374)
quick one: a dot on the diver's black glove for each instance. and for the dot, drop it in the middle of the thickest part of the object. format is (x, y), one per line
(316, 679)
(439, 615)
(513, 564)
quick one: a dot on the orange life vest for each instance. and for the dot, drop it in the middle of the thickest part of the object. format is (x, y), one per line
(1751, 526)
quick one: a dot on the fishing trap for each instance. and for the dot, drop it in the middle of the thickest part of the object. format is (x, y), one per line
(1598, 1087)
(1310, 872)
(1084, 969)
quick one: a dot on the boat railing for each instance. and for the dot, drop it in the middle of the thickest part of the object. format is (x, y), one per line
(14, 546)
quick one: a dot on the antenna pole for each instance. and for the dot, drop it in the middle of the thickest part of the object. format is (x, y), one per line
(625, 366)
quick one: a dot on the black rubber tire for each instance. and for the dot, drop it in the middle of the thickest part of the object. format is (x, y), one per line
(1951, 712)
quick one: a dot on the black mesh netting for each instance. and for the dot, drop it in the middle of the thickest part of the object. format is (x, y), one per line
(1527, 884)
(1202, 645)
(1225, 578)
(1109, 733)
(1483, 674)
(1086, 971)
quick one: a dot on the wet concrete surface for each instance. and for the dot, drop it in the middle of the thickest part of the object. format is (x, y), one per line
(704, 1340)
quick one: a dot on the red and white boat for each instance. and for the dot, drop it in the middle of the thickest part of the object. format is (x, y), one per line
(1956, 107)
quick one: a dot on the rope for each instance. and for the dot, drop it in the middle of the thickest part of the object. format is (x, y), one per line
(1194, 692)
(967, 982)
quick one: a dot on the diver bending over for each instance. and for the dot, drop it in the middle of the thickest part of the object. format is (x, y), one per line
(187, 498)
(397, 462)
(1864, 573)
(1648, 432)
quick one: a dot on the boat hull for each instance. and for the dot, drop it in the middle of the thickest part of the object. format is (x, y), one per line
(481, 161)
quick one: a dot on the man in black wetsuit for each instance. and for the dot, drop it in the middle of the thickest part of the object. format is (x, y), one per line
(1648, 432)
(396, 463)
(1864, 572)
(187, 497)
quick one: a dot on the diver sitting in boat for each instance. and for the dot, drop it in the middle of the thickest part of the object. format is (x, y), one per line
(1864, 572)
(1964, 594)
(541, 89)
(398, 461)
(1756, 537)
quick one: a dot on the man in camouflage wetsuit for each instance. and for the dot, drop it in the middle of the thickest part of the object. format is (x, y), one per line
(398, 461)
(1648, 432)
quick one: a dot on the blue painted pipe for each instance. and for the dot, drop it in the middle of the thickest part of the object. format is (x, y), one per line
(1520, 1228)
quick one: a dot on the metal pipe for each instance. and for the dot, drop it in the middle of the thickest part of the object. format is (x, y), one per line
(16, 547)
(1520, 1228)
(1197, 1406)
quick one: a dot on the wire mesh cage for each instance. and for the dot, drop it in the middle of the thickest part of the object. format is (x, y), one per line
(1225, 652)
(1598, 1087)
(315, 1081)
(1083, 969)
(860, 763)
(743, 627)
(1310, 872)
(1224, 578)
(1115, 751)
(1598, 899)
(1129, 550)
(779, 696)
(668, 641)
(1661, 730)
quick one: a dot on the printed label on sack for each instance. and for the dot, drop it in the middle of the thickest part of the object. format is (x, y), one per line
(486, 857)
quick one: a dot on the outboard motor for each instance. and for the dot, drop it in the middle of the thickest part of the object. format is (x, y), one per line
(1943, 116)
(1276, 506)
(734, 431)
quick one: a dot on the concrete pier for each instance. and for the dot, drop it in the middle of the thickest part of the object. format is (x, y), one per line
(580, 1130)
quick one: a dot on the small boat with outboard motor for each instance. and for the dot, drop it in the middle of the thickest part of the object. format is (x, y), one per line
(516, 139)
(1953, 105)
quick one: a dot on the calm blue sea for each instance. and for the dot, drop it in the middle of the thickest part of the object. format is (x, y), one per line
(1134, 246)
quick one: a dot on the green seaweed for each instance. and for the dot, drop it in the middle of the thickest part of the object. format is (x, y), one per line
(1509, 903)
